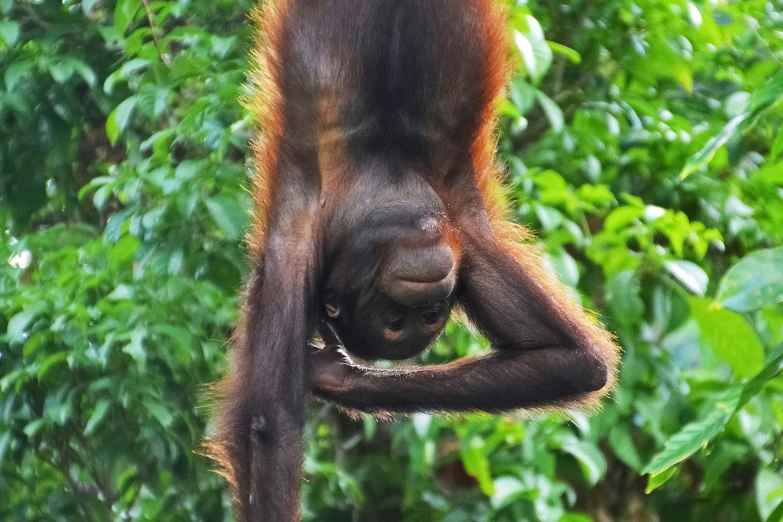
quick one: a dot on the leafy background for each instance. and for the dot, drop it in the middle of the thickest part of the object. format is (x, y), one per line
(642, 140)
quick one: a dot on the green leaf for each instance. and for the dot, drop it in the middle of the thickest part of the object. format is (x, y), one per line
(118, 119)
(50, 362)
(101, 408)
(159, 411)
(370, 426)
(34, 427)
(552, 111)
(17, 325)
(689, 274)
(507, 489)
(624, 301)
(182, 337)
(777, 146)
(15, 72)
(569, 53)
(659, 479)
(9, 32)
(536, 54)
(229, 216)
(769, 492)
(729, 335)
(83, 70)
(5, 440)
(476, 464)
(622, 444)
(761, 100)
(754, 282)
(732, 129)
(590, 458)
(124, 12)
(772, 367)
(61, 71)
(777, 514)
(695, 435)
(522, 94)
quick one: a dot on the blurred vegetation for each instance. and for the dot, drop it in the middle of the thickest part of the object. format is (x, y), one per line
(643, 143)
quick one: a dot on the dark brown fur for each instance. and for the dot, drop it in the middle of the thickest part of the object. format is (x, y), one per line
(375, 175)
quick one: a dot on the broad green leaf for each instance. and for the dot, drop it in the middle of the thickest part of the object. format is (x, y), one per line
(17, 325)
(536, 54)
(777, 146)
(475, 462)
(689, 274)
(118, 119)
(569, 53)
(772, 367)
(761, 100)
(729, 335)
(621, 442)
(659, 479)
(9, 32)
(370, 426)
(229, 216)
(61, 71)
(16, 71)
(732, 129)
(101, 408)
(522, 94)
(769, 492)
(34, 427)
(421, 424)
(526, 51)
(83, 70)
(552, 111)
(124, 13)
(777, 514)
(754, 282)
(590, 458)
(50, 362)
(159, 411)
(624, 301)
(507, 489)
(695, 435)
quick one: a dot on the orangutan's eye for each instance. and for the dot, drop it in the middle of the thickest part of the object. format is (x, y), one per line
(395, 325)
(430, 317)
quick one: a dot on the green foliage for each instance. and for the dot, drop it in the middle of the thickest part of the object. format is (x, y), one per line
(643, 142)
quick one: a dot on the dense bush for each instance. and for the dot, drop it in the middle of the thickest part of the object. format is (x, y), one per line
(643, 143)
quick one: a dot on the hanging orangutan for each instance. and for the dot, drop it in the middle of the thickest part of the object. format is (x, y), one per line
(377, 212)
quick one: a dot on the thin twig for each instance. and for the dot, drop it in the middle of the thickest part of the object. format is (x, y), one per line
(155, 30)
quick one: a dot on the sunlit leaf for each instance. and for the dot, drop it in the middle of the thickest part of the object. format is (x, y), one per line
(506, 490)
(569, 53)
(754, 282)
(689, 274)
(729, 335)
(773, 365)
(777, 146)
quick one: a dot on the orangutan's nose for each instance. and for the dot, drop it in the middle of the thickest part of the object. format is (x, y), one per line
(419, 275)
